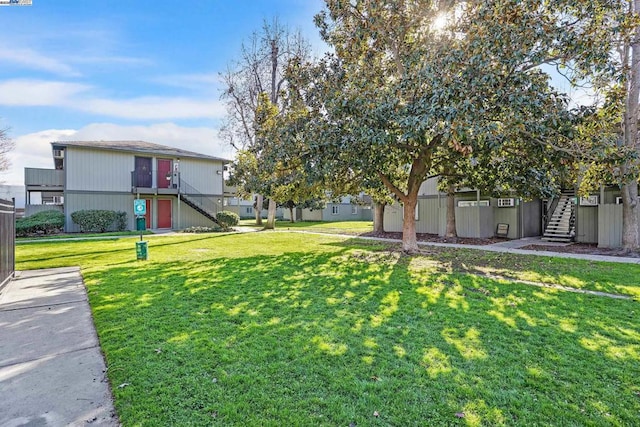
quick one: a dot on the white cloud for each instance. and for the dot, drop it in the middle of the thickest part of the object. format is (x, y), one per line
(75, 96)
(154, 108)
(24, 92)
(34, 150)
(30, 59)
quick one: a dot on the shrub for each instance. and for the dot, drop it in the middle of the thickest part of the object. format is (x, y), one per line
(46, 222)
(121, 221)
(227, 218)
(94, 220)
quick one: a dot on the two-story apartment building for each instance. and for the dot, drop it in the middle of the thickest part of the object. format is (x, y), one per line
(181, 188)
(596, 218)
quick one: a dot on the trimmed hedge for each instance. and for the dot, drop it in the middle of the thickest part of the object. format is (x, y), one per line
(45, 222)
(95, 220)
(227, 218)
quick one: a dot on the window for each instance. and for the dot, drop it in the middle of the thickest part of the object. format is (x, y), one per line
(472, 203)
(249, 209)
(354, 209)
(589, 201)
(506, 203)
(335, 210)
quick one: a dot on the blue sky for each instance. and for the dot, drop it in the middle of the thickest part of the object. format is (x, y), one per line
(146, 69)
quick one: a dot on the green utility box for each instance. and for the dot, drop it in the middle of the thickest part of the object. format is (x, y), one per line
(142, 250)
(141, 223)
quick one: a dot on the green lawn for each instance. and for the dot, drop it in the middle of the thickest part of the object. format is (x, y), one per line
(274, 329)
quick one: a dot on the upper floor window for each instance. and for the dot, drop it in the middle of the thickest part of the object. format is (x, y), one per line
(335, 210)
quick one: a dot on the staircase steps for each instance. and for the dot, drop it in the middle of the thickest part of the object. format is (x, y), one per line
(561, 225)
(197, 208)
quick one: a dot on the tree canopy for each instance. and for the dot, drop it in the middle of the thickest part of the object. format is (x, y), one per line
(416, 88)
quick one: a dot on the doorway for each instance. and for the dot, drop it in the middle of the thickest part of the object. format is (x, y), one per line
(164, 213)
(164, 173)
(143, 177)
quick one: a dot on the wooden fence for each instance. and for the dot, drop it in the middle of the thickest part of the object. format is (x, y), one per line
(7, 241)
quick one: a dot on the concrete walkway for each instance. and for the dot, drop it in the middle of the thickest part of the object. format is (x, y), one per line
(52, 372)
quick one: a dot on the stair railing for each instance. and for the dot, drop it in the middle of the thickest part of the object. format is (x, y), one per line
(206, 203)
(552, 204)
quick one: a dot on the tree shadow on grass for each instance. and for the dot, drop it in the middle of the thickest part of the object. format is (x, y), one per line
(308, 338)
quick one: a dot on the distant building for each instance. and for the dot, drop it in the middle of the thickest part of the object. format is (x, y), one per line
(345, 209)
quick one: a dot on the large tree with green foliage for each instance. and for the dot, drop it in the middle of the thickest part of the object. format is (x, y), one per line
(258, 73)
(607, 147)
(402, 95)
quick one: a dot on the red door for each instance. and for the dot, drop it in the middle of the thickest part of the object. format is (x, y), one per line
(164, 213)
(147, 217)
(164, 173)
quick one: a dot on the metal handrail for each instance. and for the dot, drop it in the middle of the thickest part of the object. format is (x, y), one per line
(137, 176)
(205, 203)
(551, 207)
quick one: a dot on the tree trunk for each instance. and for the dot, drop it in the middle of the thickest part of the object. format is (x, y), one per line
(630, 208)
(409, 239)
(451, 212)
(630, 225)
(291, 215)
(259, 203)
(271, 216)
(410, 199)
(378, 217)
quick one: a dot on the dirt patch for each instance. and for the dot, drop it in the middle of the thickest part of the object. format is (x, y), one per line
(424, 237)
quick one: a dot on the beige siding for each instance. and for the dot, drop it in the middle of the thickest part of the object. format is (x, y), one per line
(203, 175)
(428, 216)
(114, 202)
(507, 215)
(309, 215)
(609, 220)
(98, 170)
(476, 221)
(587, 224)
(473, 221)
(185, 217)
(393, 218)
(532, 217)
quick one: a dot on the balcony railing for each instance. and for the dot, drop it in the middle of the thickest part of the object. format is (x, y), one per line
(144, 179)
(34, 177)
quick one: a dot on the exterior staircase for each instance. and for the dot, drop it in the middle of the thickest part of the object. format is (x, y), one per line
(198, 208)
(204, 205)
(561, 225)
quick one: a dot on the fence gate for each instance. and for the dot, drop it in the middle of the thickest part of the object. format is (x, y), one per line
(7, 241)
